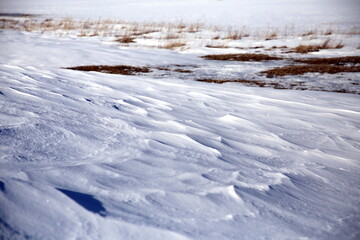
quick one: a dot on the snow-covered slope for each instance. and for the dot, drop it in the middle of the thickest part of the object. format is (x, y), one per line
(98, 156)
(88, 155)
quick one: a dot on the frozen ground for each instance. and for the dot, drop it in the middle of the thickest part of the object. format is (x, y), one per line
(88, 155)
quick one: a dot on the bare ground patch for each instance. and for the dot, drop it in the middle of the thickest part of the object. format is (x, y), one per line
(257, 83)
(335, 61)
(243, 57)
(194, 72)
(118, 69)
(125, 39)
(299, 85)
(179, 70)
(314, 68)
(243, 81)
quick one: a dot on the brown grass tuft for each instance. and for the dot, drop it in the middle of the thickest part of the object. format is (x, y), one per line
(315, 48)
(335, 61)
(236, 34)
(118, 69)
(271, 36)
(125, 39)
(179, 70)
(173, 45)
(245, 57)
(309, 33)
(329, 31)
(315, 68)
(246, 82)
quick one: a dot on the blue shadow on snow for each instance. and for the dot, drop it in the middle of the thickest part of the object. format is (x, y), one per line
(86, 201)
(2, 186)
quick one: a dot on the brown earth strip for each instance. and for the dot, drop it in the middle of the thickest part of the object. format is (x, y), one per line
(336, 60)
(316, 68)
(125, 39)
(183, 71)
(118, 69)
(246, 82)
(182, 65)
(276, 85)
(244, 57)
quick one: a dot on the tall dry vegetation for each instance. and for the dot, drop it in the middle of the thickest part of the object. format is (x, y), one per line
(168, 35)
(327, 44)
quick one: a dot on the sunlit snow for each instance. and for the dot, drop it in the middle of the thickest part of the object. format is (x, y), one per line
(88, 155)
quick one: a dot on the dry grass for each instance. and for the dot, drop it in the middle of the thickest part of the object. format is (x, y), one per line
(179, 70)
(309, 33)
(235, 34)
(173, 45)
(118, 69)
(315, 48)
(195, 27)
(328, 31)
(8, 23)
(335, 61)
(255, 83)
(125, 39)
(276, 85)
(314, 68)
(171, 33)
(244, 57)
(179, 32)
(243, 81)
(270, 36)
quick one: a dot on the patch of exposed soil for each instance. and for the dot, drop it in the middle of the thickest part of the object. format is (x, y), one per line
(179, 68)
(315, 65)
(182, 65)
(182, 70)
(244, 57)
(125, 39)
(276, 85)
(118, 69)
(335, 61)
(314, 68)
(243, 81)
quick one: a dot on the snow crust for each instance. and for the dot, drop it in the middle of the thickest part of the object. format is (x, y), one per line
(169, 158)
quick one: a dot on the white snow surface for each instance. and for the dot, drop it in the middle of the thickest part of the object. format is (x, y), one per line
(88, 155)
(167, 158)
(251, 13)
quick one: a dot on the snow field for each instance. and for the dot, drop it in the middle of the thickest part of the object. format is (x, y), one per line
(166, 157)
(89, 155)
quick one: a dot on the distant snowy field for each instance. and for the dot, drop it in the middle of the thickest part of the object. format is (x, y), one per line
(254, 13)
(87, 155)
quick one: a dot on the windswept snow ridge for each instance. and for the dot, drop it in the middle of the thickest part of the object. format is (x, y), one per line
(88, 155)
